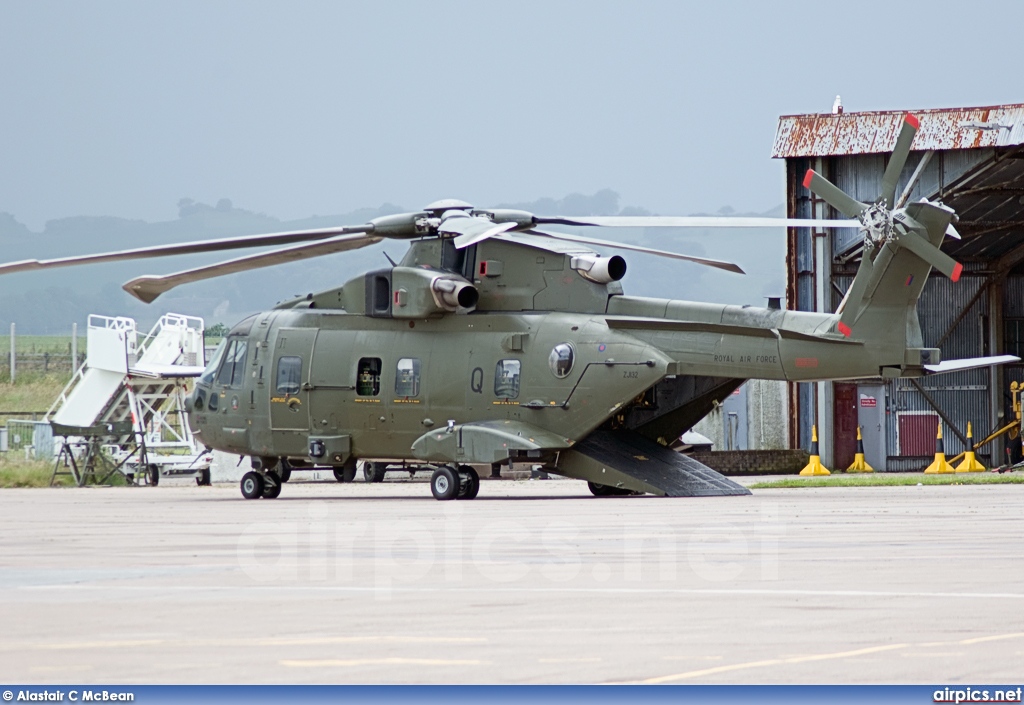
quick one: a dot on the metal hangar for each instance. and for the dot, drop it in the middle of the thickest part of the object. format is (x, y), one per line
(971, 159)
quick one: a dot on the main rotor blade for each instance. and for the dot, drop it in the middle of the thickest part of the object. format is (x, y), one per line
(697, 221)
(898, 159)
(472, 230)
(148, 288)
(718, 264)
(185, 248)
(833, 195)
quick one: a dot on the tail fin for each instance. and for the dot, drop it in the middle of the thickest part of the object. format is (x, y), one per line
(881, 304)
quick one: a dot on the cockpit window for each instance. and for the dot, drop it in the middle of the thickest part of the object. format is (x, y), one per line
(233, 367)
(211, 369)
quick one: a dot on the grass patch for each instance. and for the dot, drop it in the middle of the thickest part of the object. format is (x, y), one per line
(894, 479)
(28, 473)
(33, 393)
(43, 343)
(15, 472)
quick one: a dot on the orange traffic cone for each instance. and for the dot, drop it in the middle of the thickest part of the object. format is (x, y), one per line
(939, 465)
(814, 466)
(859, 464)
(970, 462)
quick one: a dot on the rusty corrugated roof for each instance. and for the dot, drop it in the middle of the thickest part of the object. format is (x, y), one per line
(827, 134)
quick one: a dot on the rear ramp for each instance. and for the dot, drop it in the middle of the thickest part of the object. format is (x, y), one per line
(627, 460)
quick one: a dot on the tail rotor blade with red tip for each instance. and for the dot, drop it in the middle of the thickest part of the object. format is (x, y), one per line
(932, 255)
(898, 159)
(833, 195)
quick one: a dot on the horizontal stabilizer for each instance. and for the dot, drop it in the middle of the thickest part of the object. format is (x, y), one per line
(970, 363)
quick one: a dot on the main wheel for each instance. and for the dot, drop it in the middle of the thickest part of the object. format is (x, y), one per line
(204, 478)
(252, 485)
(469, 484)
(374, 472)
(153, 475)
(271, 487)
(608, 491)
(345, 473)
(444, 483)
(285, 470)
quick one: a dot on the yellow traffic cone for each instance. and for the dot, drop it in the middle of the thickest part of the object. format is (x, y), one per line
(939, 465)
(859, 464)
(970, 463)
(814, 466)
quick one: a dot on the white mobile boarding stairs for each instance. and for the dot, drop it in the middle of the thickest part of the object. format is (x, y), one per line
(124, 409)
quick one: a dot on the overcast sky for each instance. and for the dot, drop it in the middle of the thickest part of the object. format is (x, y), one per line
(301, 108)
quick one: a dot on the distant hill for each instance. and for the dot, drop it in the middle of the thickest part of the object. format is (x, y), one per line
(48, 302)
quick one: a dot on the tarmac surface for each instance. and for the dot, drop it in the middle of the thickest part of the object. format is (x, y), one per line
(532, 582)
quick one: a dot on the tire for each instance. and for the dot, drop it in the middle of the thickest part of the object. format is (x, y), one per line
(607, 491)
(272, 487)
(374, 472)
(204, 478)
(444, 484)
(470, 486)
(345, 473)
(153, 475)
(285, 470)
(252, 485)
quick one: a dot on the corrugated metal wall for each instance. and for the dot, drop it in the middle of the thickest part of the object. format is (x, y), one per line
(964, 396)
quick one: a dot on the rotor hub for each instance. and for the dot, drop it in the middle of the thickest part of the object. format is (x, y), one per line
(876, 221)
(447, 204)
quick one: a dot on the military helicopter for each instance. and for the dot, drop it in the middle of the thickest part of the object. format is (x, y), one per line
(496, 341)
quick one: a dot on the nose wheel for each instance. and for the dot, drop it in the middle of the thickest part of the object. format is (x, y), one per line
(469, 483)
(252, 485)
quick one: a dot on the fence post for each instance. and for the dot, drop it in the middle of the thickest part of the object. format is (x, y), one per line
(12, 353)
(74, 349)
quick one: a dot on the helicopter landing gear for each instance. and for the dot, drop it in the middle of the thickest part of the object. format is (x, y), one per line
(271, 486)
(285, 471)
(449, 483)
(469, 483)
(374, 472)
(345, 473)
(607, 491)
(204, 478)
(252, 485)
(444, 483)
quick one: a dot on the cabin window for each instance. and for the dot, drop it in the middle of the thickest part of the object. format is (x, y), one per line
(506, 379)
(407, 377)
(233, 367)
(560, 360)
(289, 374)
(368, 377)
